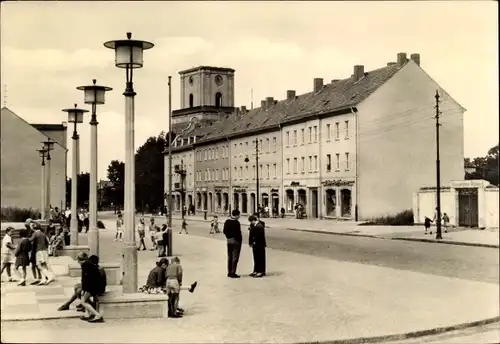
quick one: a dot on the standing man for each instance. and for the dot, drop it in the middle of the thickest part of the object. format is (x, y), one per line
(41, 243)
(257, 241)
(232, 231)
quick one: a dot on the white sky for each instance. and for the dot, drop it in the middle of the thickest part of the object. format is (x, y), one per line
(49, 48)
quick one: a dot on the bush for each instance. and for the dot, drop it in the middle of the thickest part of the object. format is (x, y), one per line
(15, 214)
(404, 218)
(100, 225)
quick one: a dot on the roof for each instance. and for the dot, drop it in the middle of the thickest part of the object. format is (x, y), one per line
(214, 69)
(50, 127)
(338, 96)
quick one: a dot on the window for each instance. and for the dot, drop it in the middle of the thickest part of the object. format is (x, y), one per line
(235, 173)
(295, 166)
(328, 163)
(288, 138)
(315, 162)
(246, 172)
(275, 172)
(338, 162)
(315, 133)
(274, 143)
(246, 145)
(302, 136)
(288, 166)
(346, 129)
(261, 171)
(218, 100)
(268, 172)
(295, 137)
(347, 161)
(191, 100)
(253, 167)
(310, 163)
(337, 131)
(268, 145)
(310, 134)
(328, 132)
(241, 172)
(303, 164)
(261, 146)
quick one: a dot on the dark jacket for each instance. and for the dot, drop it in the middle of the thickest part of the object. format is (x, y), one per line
(232, 230)
(156, 277)
(91, 278)
(257, 235)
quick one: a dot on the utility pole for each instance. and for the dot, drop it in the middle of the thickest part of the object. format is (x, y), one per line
(438, 173)
(257, 173)
(169, 229)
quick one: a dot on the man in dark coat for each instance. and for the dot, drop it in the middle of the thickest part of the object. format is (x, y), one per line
(232, 231)
(257, 241)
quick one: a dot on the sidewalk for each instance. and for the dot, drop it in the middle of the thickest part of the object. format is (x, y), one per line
(303, 299)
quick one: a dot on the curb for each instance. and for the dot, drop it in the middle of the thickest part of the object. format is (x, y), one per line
(408, 335)
(43, 317)
(449, 242)
(335, 233)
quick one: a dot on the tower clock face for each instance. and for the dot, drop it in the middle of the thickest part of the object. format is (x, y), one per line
(218, 80)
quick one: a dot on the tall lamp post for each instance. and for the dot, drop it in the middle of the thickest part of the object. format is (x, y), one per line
(256, 174)
(48, 145)
(94, 95)
(75, 116)
(129, 55)
(42, 153)
(181, 171)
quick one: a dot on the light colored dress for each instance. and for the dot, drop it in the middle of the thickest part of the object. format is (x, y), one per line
(7, 253)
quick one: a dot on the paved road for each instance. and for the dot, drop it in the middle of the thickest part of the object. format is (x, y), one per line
(471, 263)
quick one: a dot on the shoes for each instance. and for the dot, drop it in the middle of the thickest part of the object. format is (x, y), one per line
(252, 274)
(193, 287)
(234, 276)
(22, 284)
(175, 315)
(96, 320)
(86, 318)
(35, 282)
(144, 249)
(260, 274)
(63, 308)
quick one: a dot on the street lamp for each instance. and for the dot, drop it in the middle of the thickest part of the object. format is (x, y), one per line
(48, 145)
(181, 171)
(129, 55)
(75, 116)
(256, 175)
(94, 95)
(43, 153)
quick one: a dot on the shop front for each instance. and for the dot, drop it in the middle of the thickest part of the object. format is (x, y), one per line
(338, 199)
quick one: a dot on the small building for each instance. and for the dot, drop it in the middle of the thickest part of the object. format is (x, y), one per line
(21, 171)
(468, 203)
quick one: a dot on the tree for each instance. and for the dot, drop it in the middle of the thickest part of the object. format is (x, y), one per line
(116, 175)
(82, 192)
(485, 167)
(150, 172)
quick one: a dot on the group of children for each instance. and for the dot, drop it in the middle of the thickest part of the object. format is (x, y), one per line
(445, 220)
(166, 278)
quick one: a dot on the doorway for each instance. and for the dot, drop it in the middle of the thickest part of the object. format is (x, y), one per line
(468, 207)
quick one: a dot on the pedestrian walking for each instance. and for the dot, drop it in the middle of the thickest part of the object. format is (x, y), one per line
(22, 254)
(41, 243)
(427, 224)
(141, 230)
(91, 287)
(232, 231)
(184, 227)
(257, 241)
(119, 227)
(152, 232)
(8, 253)
(214, 225)
(446, 222)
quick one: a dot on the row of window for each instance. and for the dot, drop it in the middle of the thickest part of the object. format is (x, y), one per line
(265, 171)
(291, 137)
(311, 164)
(212, 175)
(266, 145)
(212, 153)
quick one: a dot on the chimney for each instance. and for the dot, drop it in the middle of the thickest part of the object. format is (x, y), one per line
(401, 59)
(415, 58)
(334, 81)
(391, 63)
(262, 104)
(318, 84)
(269, 102)
(237, 111)
(243, 110)
(290, 95)
(359, 72)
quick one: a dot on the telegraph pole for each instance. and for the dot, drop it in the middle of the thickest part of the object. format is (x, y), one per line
(257, 173)
(169, 229)
(438, 173)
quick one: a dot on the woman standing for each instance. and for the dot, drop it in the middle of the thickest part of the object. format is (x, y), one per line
(23, 255)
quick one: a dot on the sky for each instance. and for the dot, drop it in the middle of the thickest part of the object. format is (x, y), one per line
(50, 48)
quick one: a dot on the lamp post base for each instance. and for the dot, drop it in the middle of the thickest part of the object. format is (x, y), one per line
(93, 241)
(129, 268)
(74, 231)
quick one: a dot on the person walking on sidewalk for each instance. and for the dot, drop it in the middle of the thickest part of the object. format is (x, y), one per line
(232, 231)
(184, 227)
(446, 222)
(8, 253)
(257, 241)
(41, 243)
(152, 232)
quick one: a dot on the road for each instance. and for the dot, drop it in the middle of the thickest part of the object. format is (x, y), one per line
(465, 262)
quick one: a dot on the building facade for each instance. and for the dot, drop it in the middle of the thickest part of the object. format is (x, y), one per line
(21, 170)
(351, 149)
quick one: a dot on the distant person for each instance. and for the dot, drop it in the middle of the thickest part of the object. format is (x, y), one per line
(184, 227)
(141, 230)
(119, 227)
(427, 224)
(214, 225)
(8, 253)
(282, 212)
(446, 222)
(257, 241)
(152, 232)
(234, 238)
(41, 243)
(159, 237)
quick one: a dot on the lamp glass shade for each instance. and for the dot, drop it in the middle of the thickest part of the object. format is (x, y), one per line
(42, 153)
(124, 58)
(49, 145)
(75, 116)
(94, 95)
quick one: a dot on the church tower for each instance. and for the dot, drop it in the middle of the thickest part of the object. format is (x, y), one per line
(207, 93)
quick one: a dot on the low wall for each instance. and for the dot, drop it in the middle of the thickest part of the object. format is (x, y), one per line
(492, 208)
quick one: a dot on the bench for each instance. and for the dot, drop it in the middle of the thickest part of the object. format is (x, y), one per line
(136, 305)
(113, 272)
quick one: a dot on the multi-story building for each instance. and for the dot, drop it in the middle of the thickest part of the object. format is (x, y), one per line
(21, 171)
(350, 149)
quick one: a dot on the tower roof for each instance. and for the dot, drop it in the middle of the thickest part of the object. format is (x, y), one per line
(208, 68)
